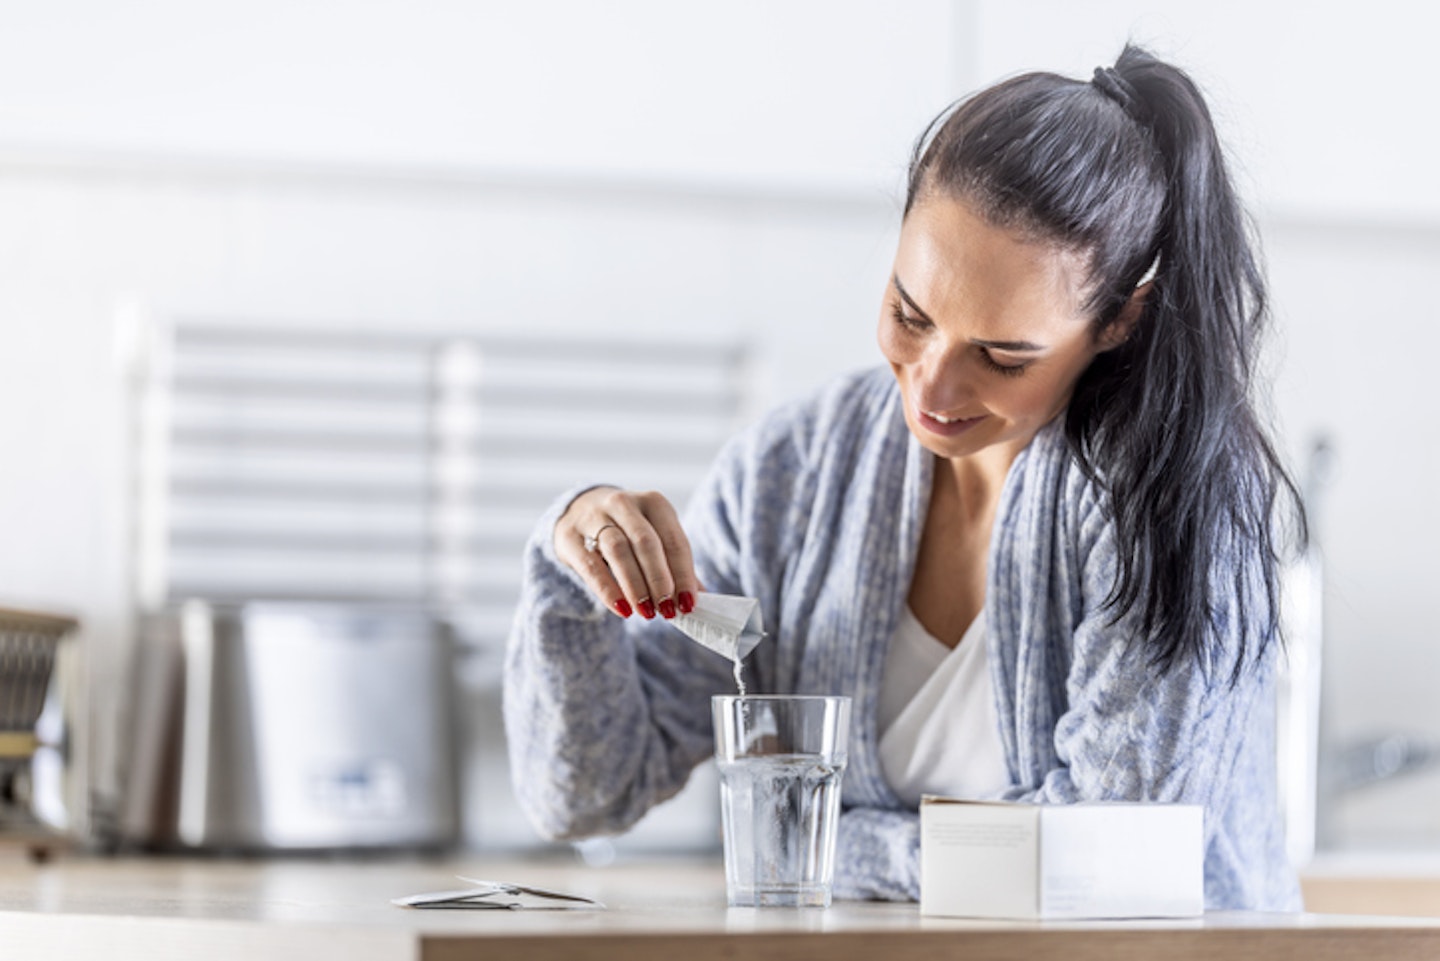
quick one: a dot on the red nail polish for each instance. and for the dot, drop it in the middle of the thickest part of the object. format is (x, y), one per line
(647, 609)
(667, 609)
(687, 602)
(622, 607)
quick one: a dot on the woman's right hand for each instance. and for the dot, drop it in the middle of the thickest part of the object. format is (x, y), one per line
(629, 548)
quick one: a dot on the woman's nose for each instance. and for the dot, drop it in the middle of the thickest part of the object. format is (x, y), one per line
(945, 376)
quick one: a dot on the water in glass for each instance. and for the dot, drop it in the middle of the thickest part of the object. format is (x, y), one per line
(779, 813)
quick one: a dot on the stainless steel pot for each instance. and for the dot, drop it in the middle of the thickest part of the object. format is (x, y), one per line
(293, 726)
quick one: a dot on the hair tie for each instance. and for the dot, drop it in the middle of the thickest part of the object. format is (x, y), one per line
(1109, 82)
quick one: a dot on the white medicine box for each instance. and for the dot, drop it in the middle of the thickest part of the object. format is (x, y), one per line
(983, 859)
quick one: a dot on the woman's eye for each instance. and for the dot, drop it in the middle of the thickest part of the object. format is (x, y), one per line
(1004, 369)
(908, 322)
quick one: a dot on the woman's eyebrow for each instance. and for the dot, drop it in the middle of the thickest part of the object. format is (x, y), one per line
(1009, 346)
(905, 296)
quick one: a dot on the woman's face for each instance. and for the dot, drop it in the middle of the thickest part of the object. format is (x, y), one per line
(984, 329)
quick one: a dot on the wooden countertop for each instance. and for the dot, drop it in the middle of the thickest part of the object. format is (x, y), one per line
(222, 909)
(1405, 883)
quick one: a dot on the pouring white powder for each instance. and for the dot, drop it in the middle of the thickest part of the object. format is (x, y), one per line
(730, 626)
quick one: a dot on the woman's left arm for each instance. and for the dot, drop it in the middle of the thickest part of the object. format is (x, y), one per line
(1124, 729)
(877, 855)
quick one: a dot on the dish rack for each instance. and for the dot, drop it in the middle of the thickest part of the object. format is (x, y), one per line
(28, 645)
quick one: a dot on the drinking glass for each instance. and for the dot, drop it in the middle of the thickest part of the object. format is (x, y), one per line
(781, 759)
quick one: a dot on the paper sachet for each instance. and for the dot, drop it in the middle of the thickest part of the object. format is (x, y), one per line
(728, 625)
(497, 895)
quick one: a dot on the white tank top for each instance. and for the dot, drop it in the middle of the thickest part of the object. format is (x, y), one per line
(939, 733)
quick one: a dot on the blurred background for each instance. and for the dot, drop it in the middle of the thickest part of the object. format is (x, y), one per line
(322, 302)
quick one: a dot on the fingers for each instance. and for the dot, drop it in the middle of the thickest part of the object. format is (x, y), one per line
(678, 562)
(591, 567)
(652, 556)
(626, 550)
(631, 551)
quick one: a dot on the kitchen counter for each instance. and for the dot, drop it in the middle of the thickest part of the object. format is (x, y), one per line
(1405, 883)
(313, 909)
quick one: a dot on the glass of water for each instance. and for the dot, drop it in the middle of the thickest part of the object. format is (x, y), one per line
(781, 758)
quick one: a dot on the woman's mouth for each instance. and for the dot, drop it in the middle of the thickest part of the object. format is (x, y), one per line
(946, 425)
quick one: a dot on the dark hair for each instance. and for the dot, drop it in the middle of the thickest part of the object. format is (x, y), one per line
(1124, 170)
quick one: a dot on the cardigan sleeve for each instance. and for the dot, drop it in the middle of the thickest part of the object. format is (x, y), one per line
(877, 855)
(1128, 731)
(606, 717)
(1092, 718)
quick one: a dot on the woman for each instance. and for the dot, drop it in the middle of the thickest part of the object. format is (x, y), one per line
(1037, 551)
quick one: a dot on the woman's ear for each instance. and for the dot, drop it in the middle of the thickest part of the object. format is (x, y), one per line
(1119, 332)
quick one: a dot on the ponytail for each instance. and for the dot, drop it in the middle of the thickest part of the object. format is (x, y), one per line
(1127, 169)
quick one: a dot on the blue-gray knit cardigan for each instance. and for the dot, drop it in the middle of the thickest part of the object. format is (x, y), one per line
(817, 511)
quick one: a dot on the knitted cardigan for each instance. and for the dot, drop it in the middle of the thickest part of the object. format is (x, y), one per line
(817, 511)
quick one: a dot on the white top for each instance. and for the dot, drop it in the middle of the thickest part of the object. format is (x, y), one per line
(939, 733)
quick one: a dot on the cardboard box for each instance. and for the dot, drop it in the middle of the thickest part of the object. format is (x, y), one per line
(981, 859)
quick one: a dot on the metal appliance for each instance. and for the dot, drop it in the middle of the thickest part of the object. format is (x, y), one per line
(29, 643)
(286, 725)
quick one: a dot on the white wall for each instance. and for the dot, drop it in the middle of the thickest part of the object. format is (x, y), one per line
(799, 95)
(645, 165)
